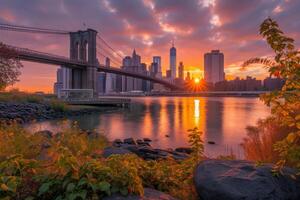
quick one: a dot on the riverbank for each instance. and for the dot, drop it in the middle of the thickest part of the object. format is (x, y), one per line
(23, 112)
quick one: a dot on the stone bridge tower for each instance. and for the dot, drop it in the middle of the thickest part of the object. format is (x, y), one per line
(83, 48)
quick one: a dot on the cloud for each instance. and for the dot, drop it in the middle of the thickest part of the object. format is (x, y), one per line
(196, 26)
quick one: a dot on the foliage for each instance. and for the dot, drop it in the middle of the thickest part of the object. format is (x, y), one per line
(9, 66)
(17, 96)
(72, 167)
(285, 104)
(58, 106)
(258, 146)
(14, 140)
(23, 97)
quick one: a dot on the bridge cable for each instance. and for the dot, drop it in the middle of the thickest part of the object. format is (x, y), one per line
(111, 55)
(17, 28)
(105, 43)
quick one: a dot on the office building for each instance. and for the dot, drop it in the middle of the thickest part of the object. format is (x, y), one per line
(157, 61)
(214, 67)
(133, 64)
(181, 71)
(63, 81)
(173, 61)
(101, 81)
(248, 84)
(271, 84)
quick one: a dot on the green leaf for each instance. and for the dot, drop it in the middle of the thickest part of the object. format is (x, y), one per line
(104, 186)
(44, 188)
(70, 187)
(124, 191)
(82, 181)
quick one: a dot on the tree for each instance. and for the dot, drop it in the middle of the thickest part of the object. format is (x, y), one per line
(9, 66)
(285, 104)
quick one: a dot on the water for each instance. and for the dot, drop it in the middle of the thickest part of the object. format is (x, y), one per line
(222, 120)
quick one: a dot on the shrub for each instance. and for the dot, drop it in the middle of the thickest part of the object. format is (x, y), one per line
(72, 171)
(58, 106)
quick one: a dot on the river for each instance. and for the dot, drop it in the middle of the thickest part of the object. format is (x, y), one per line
(166, 120)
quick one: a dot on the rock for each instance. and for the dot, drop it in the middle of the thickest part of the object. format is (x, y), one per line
(129, 141)
(186, 150)
(130, 147)
(45, 133)
(142, 143)
(167, 136)
(108, 151)
(147, 140)
(147, 149)
(211, 142)
(117, 142)
(149, 194)
(237, 180)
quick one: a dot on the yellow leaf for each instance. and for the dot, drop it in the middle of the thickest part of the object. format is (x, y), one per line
(291, 137)
(4, 187)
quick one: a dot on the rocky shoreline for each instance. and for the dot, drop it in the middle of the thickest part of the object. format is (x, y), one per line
(143, 149)
(26, 112)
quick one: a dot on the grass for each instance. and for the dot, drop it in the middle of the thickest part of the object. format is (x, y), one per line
(73, 167)
(23, 97)
(17, 96)
(259, 144)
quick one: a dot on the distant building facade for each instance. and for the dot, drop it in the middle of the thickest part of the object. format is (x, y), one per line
(214, 67)
(248, 84)
(63, 80)
(157, 61)
(101, 82)
(271, 84)
(173, 62)
(181, 71)
(133, 64)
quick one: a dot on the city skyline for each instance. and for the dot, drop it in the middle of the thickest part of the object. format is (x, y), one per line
(150, 28)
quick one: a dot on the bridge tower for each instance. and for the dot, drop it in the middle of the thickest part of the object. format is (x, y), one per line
(83, 48)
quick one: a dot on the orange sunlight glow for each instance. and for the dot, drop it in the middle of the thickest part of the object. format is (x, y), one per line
(197, 80)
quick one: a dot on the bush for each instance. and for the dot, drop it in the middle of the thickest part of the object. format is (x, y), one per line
(73, 168)
(285, 103)
(58, 106)
(21, 97)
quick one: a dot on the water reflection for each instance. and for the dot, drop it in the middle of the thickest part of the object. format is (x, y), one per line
(222, 120)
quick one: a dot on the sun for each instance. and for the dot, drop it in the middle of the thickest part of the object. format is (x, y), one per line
(197, 80)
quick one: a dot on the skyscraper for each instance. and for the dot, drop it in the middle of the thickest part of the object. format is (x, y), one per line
(181, 71)
(214, 67)
(173, 62)
(133, 64)
(157, 61)
(110, 84)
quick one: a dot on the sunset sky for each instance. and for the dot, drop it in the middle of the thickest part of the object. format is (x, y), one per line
(149, 26)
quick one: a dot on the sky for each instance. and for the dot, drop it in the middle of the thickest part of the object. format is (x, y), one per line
(150, 26)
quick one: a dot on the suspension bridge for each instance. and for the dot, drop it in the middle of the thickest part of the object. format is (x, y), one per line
(83, 61)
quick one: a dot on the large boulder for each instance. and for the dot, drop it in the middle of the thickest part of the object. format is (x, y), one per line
(130, 141)
(149, 194)
(236, 180)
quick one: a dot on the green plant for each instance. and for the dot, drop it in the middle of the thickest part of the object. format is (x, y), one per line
(285, 104)
(73, 167)
(57, 105)
(196, 143)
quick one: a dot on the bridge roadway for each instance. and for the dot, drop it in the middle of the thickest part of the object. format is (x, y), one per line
(46, 58)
